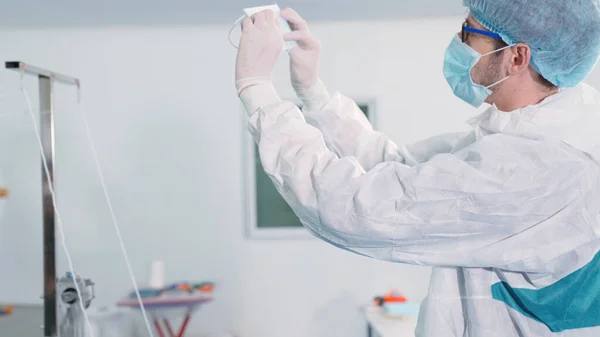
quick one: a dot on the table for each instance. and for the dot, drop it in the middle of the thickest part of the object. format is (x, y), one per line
(158, 309)
(379, 325)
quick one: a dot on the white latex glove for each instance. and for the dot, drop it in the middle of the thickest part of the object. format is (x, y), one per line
(304, 61)
(260, 47)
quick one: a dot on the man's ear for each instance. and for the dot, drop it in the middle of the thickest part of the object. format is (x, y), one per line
(520, 58)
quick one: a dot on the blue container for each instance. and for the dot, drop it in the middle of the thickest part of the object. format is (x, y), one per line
(402, 309)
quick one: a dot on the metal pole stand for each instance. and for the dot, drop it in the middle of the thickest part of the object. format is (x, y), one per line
(71, 317)
(47, 79)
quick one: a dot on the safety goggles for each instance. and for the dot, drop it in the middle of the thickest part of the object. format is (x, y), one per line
(466, 30)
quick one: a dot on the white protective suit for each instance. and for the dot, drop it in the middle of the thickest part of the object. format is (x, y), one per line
(508, 214)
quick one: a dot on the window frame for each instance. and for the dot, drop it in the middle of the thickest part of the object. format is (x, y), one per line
(253, 231)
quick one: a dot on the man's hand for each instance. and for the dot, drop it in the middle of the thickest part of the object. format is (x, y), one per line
(304, 59)
(260, 47)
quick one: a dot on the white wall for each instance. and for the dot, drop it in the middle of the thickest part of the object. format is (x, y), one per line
(169, 131)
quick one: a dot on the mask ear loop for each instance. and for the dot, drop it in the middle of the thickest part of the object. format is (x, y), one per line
(495, 84)
(492, 52)
(497, 50)
(231, 30)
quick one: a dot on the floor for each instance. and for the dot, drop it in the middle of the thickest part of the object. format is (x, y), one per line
(25, 321)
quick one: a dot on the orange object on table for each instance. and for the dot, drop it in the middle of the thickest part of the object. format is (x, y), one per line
(3, 192)
(6, 310)
(206, 288)
(391, 298)
(184, 287)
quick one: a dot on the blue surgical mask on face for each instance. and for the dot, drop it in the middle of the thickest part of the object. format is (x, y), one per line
(459, 60)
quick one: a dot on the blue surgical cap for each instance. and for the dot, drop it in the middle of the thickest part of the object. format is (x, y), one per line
(564, 35)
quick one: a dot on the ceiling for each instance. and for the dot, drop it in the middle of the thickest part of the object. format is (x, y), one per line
(31, 13)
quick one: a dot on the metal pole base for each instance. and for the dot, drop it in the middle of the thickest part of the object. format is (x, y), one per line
(71, 318)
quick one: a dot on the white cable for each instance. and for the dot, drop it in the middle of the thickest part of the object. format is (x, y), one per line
(231, 30)
(58, 218)
(114, 218)
(59, 221)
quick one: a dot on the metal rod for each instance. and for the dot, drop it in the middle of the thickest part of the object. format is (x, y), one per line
(33, 70)
(46, 99)
(47, 134)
